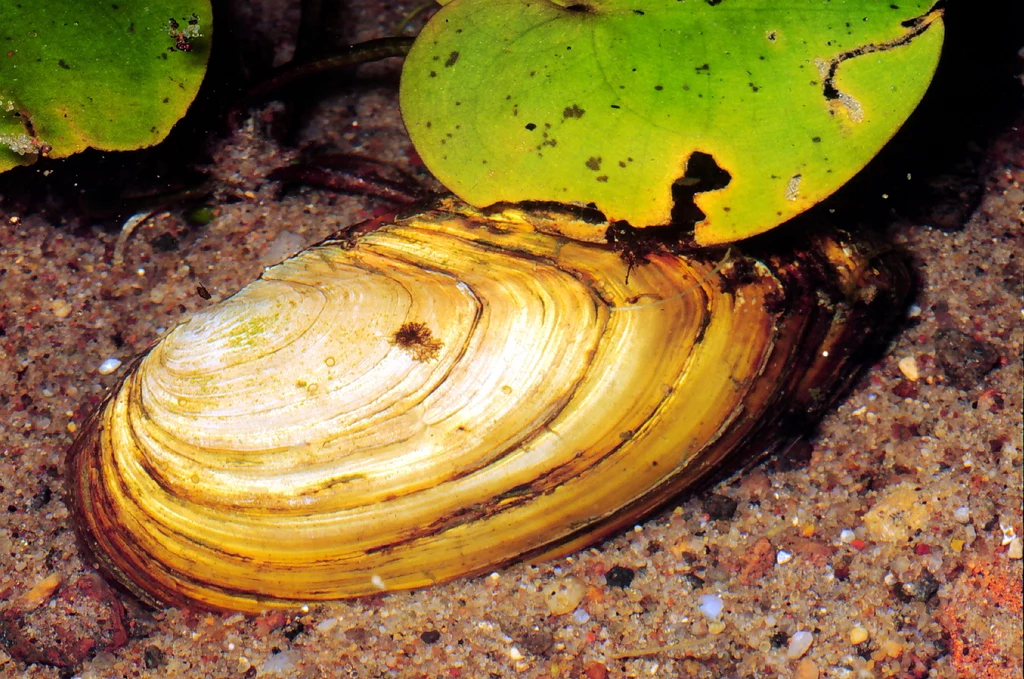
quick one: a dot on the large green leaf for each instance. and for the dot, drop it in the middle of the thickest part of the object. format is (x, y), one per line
(79, 73)
(605, 101)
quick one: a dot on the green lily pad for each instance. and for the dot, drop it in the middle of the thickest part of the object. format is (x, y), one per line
(112, 75)
(605, 101)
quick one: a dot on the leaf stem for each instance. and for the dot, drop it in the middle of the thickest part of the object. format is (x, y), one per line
(351, 55)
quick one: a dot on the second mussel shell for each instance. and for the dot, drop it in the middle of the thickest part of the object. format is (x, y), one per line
(451, 392)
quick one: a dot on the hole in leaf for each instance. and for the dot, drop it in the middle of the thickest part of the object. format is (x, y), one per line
(702, 174)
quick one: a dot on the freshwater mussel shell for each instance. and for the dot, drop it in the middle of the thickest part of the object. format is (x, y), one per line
(451, 392)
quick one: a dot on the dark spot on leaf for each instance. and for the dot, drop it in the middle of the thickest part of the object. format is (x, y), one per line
(63, 64)
(615, 106)
(658, 88)
(531, 127)
(452, 58)
(433, 74)
(603, 178)
(703, 67)
(579, 8)
(573, 111)
(816, 140)
(702, 174)
(916, 26)
(594, 163)
(417, 339)
(638, 12)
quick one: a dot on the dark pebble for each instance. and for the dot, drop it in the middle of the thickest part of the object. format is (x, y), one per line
(41, 498)
(536, 641)
(949, 199)
(922, 589)
(692, 580)
(356, 634)
(153, 657)
(165, 242)
(430, 636)
(292, 630)
(619, 576)
(841, 569)
(720, 507)
(963, 359)
(1013, 279)
(905, 432)
(905, 389)
(779, 639)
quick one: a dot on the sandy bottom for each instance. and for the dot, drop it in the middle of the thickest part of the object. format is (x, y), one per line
(889, 545)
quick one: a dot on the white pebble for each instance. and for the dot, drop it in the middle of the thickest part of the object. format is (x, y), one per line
(326, 625)
(563, 595)
(1016, 549)
(580, 616)
(284, 245)
(782, 557)
(1008, 533)
(962, 514)
(282, 663)
(711, 606)
(515, 653)
(908, 366)
(108, 366)
(233, 620)
(378, 582)
(846, 536)
(798, 644)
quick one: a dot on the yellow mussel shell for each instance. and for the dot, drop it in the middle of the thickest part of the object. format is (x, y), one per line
(446, 394)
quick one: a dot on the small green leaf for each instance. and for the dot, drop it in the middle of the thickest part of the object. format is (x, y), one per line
(114, 75)
(604, 101)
